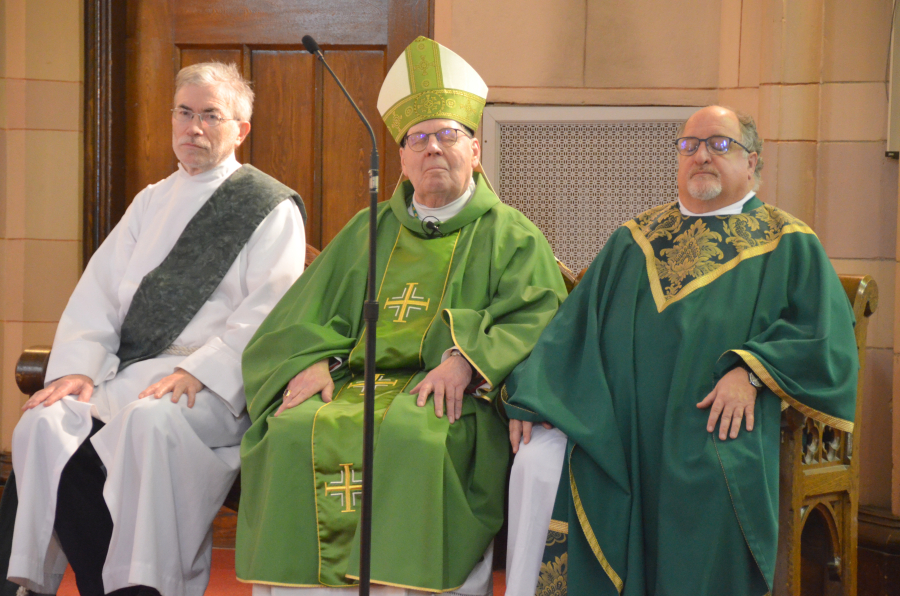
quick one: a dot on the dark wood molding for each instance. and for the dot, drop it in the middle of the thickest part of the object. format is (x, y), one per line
(879, 529)
(5, 466)
(104, 117)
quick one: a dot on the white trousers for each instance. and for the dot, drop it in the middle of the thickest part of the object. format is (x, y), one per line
(532, 493)
(479, 583)
(168, 471)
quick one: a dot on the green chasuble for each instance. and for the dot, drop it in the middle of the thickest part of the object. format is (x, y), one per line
(655, 504)
(488, 287)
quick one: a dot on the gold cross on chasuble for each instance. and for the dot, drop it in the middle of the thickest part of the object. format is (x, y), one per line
(405, 302)
(361, 385)
(409, 295)
(345, 488)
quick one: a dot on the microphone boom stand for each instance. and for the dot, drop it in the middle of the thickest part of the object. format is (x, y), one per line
(370, 316)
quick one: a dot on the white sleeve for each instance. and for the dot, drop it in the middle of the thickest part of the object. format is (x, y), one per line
(270, 263)
(87, 337)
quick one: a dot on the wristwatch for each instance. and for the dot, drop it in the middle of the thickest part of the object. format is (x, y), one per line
(754, 380)
(456, 352)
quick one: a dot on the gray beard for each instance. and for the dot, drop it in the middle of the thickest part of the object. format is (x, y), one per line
(705, 191)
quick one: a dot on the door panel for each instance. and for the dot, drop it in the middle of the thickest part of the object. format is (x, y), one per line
(346, 142)
(290, 114)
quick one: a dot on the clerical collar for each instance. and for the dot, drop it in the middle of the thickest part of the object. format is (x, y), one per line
(225, 169)
(732, 209)
(420, 211)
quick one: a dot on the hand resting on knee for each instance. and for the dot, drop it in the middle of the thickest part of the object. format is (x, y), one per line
(313, 380)
(80, 385)
(178, 383)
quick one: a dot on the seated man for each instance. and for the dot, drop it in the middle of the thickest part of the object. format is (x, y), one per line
(164, 308)
(717, 309)
(462, 301)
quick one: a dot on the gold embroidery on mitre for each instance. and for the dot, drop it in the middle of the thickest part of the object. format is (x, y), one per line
(680, 261)
(407, 301)
(553, 580)
(423, 66)
(453, 104)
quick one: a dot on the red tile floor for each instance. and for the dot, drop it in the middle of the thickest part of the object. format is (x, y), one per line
(223, 583)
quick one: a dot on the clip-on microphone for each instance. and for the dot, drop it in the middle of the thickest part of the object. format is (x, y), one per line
(432, 226)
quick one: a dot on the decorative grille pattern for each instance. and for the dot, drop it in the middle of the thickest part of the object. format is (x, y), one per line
(578, 182)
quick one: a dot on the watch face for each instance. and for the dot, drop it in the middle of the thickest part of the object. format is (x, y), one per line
(754, 380)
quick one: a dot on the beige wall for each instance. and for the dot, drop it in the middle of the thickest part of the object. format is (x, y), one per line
(812, 72)
(40, 178)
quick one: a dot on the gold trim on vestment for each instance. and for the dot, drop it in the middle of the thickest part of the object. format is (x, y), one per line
(707, 240)
(437, 311)
(420, 588)
(589, 532)
(402, 390)
(559, 526)
(734, 508)
(504, 397)
(312, 446)
(378, 297)
(472, 362)
(765, 377)
(284, 585)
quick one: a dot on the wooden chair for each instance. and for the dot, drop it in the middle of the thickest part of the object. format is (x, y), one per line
(819, 484)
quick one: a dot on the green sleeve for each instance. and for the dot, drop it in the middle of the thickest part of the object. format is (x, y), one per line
(807, 353)
(530, 289)
(318, 318)
(564, 380)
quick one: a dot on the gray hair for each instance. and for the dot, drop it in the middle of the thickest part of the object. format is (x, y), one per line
(749, 138)
(237, 91)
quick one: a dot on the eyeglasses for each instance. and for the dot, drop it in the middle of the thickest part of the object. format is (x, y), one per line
(717, 145)
(446, 137)
(184, 116)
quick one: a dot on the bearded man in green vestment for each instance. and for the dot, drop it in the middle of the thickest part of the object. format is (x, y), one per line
(462, 303)
(696, 319)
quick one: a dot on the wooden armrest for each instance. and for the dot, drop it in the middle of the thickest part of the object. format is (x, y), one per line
(32, 368)
(567, 275)
(311, 253)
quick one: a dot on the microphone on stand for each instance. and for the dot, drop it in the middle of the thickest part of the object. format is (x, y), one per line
(370, 315)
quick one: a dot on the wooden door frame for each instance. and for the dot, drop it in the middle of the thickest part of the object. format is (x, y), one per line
(105, 28)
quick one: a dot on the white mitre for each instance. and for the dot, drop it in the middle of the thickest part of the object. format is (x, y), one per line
(430, 81)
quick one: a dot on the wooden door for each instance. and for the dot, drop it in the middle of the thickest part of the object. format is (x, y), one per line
(303, 130)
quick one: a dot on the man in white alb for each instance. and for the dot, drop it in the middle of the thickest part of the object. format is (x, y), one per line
(124, 458)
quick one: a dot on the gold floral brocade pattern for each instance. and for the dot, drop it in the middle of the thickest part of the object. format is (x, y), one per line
(694, 254)
(553, 578)
(686, 253)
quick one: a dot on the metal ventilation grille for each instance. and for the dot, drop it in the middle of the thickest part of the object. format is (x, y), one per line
(578, 182)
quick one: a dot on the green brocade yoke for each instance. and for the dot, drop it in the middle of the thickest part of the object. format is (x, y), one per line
(503, 287)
